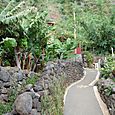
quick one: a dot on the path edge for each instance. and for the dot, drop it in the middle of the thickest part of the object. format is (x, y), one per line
(67, 89)
(102, 105)
(96, 79)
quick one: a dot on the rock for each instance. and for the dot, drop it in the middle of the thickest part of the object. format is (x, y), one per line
(34, 112)
(32, 74)
(14, 112)
(4, 75)
(112, 112)
(49, 66)
(41, 93)
(1, 99)
(38, 87)
(113, 97)
(46, 85)
(36, 104)
(4, 97)
(8, 114)
(23, 104)
(12, 70)
(19, 75)
(28, 87)
(113, 90)
(39, 113)
(49, 71)
(4, 90)
(7, 85)
(26, 73)
(33, 94)
(107, 82)
(1, 84)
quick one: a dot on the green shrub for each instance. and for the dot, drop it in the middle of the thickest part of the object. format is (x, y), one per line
(109, 89)
(89, 58)
(108, 68)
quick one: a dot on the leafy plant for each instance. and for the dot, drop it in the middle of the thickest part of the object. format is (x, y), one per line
(109, 90)
(26, 22)
(109, 67)
(61, 50)
(89, 58)
(9, 43)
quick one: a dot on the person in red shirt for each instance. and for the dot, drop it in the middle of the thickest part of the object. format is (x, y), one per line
(78, 53)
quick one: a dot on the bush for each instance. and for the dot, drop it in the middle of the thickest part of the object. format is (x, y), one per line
(89, 58)
(108, 68)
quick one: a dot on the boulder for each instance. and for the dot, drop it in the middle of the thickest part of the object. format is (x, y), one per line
(3, 98)
(33, 74)
(18, 75)
(4, 75)
(23, 104)
(36, 104)
(7, 84)
(1, 84)
(38, 87)
(28, 87)
(4, 90)
(34, 112)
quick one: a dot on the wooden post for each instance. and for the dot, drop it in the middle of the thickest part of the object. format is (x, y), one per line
(112, 52)
(75, 36)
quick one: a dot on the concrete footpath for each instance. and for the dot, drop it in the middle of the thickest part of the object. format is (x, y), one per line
(81, 99)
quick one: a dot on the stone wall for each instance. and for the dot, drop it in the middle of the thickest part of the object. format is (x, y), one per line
(107, 93)
(9, 76)
(31, 95)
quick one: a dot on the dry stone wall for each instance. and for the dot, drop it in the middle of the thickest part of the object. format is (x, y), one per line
(28, 102)
(106, 89)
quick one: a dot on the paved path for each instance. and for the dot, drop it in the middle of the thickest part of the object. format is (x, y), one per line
(80, 99)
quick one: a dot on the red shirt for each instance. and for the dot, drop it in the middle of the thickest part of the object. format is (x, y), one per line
(77, 50)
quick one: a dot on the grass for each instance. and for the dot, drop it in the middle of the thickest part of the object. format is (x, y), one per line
(32, 80)
(4, 108)
(53, 104)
